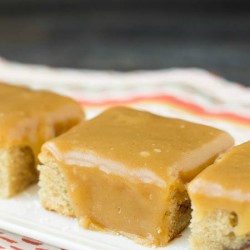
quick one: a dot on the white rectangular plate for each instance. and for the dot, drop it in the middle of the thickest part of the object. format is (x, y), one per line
(25, 216)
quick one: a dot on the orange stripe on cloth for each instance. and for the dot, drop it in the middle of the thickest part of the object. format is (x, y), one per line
(173, 101)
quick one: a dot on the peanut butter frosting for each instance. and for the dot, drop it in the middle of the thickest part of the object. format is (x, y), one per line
(225, 185)
(30, 117)
(140, 145)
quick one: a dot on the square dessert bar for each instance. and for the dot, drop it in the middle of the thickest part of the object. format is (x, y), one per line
(125, 172)
(28, 119)
(221, 203)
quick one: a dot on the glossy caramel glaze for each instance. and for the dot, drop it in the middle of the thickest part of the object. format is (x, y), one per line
(32, 117)
(225, 185)
(123, 166)
(139, 144)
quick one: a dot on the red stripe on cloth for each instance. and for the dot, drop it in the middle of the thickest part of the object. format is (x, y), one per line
(31, 241)
(7, 239)
(174, 101)
(2, 247)
(16, 248)
(38, 248)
